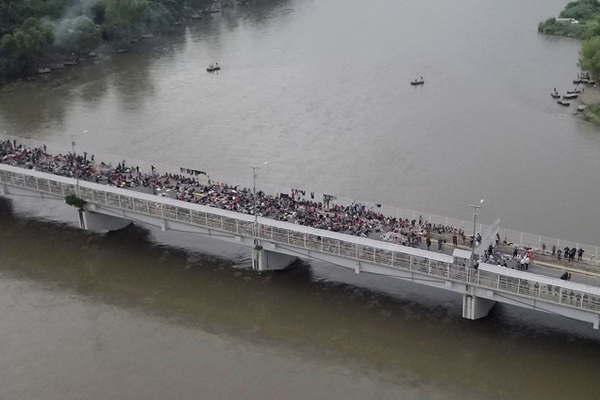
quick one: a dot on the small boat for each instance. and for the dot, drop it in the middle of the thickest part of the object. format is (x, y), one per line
(44, 71)
(555, 95)
(213, 68)
(564, 103)
(574, 91)
(418, 81)
(581, 108)
(570, 96)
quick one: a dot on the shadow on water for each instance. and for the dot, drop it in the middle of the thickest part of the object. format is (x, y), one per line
(396, 337)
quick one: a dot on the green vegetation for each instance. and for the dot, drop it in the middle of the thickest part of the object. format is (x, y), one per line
(592, 113)
(558, 28)
(32, 31)
(75, 201)
(590, 56)
(586, 12)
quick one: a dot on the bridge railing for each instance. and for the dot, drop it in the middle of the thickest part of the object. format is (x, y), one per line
(297, 236)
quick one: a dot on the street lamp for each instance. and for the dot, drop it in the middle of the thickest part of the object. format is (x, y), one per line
(255, 207)
(74, 158)
(257, 247)
(476, 208)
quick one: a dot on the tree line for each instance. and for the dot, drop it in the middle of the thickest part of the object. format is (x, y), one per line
(584, 24)
(31, 30)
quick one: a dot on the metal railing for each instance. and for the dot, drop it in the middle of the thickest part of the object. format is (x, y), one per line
(358, 249)
(517, 238)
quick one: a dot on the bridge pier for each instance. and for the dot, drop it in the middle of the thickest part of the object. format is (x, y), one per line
(101, 223)
(476, 307)
(266, 260)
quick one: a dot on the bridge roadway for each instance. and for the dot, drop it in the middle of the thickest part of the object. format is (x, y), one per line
(276, 244)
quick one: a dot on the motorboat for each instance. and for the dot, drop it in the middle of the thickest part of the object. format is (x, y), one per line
(575, 91)
(581, 108)
(418, 81)
(565, 103)
(213, 67)
(570, 96)
(555, 94)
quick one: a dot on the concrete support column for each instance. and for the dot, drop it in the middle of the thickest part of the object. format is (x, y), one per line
(101, 223)
(265, 260)
(476, 307)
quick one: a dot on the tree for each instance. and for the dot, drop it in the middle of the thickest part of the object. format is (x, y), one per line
(28, 40)
(78, 34)
(581, 9)
(590, 56)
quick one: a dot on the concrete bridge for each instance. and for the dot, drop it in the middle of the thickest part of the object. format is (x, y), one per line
(275, 245)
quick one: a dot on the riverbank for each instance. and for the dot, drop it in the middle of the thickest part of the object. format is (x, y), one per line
(591, 99)
(40, 40)
(580, 19)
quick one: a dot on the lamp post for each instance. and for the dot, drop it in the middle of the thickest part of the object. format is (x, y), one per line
(255, 207)
(476, 208)
(257, 247)
(74, 159)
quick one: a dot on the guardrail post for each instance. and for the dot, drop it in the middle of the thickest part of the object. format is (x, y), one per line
(410, 262)
(339, 248)
(560, 290)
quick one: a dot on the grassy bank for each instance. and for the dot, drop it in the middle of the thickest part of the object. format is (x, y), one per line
(592, 113)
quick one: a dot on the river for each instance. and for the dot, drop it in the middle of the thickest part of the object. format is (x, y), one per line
(320, 89)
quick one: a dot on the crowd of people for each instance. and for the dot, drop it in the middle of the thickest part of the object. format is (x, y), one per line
(296, 206)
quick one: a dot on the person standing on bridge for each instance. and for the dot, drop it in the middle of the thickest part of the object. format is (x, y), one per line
(580, 255)
(428, 242)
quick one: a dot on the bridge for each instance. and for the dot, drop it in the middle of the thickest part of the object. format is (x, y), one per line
(276, 244)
